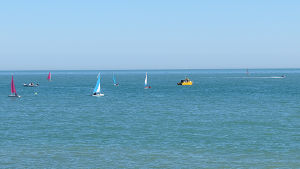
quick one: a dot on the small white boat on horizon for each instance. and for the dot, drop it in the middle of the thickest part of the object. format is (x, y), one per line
(31, 85)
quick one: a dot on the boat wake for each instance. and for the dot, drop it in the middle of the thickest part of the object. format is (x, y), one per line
(271, 77)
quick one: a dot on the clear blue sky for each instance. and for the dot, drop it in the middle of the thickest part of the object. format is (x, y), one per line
(156, 34)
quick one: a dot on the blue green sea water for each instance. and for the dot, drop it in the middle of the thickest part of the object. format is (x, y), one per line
(225, 120)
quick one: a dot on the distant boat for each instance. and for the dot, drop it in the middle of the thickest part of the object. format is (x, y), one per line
(247, 72)
(49, 76)
(31, 85)
(185, 82)
(115, 82)
(146, 82)
(97, 89)
(283, 76)
(13, 89)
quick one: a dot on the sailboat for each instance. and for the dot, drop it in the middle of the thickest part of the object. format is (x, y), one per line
(115, 82)
(13, 89)
(97, 89)
(146, 82)
(49, 76)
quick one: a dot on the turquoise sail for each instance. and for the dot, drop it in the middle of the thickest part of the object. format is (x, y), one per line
(97, 87)
(114, 79)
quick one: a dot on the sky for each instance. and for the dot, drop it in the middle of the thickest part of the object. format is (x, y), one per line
(156, 34)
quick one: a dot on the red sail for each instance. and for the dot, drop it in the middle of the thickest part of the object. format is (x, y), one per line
(49, 76)
(13, 89)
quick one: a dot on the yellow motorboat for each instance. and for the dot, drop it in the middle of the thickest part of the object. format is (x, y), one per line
(186, 81)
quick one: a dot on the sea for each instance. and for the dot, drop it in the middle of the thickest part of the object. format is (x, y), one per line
(226, 119)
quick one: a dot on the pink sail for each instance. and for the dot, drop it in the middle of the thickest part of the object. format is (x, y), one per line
(49, 76)
(13, 89)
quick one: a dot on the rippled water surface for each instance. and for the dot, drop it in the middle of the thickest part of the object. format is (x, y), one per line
(225, 120)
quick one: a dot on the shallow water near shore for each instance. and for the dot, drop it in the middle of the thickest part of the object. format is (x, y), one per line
(226, 119)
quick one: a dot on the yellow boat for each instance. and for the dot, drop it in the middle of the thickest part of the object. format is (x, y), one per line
(184, 82)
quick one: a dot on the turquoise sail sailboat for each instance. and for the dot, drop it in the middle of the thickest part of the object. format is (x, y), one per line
(115, 82)
(97, 89)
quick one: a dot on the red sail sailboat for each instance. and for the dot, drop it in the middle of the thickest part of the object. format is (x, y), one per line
(13, 89)
(49, 76)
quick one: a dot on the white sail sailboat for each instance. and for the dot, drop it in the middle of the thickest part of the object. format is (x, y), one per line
(97, 89)
(146, 82)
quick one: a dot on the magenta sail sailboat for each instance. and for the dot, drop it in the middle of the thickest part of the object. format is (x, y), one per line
(49, 76)
(13, 89)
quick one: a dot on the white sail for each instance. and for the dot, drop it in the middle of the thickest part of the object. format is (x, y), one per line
(98, 89)
(146, 80)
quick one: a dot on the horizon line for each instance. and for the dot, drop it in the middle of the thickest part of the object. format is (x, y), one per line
(141, 69)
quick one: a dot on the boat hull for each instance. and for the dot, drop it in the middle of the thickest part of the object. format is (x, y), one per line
(98, 95)
(14, 96)
(186, 83)
(31, 85)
